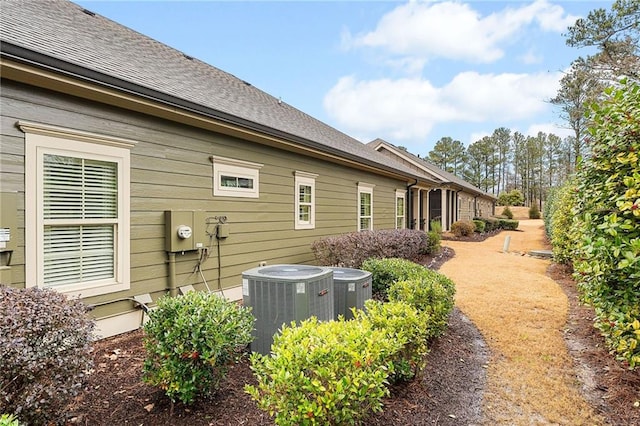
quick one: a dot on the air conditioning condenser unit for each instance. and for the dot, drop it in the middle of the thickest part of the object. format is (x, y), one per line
(351, 288)
(280, 294)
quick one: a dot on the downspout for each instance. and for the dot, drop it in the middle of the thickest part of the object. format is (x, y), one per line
(173, 290)
(410, 205)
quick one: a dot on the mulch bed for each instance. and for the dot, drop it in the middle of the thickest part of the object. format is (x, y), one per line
(448, 392)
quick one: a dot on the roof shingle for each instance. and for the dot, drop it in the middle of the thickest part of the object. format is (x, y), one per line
(65, 31)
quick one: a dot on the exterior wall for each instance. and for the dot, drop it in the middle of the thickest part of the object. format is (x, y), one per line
(171, 170)
(465, 206)
(485, 207)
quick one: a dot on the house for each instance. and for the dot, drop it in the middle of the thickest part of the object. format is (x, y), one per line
(130, 170)
(460, 199)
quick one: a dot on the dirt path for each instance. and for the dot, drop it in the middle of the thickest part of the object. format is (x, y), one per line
(521, 313)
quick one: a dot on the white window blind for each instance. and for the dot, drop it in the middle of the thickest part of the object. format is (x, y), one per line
(399, 210)
(365, 210)
(365, 206)
(305, 204)
(80, 216)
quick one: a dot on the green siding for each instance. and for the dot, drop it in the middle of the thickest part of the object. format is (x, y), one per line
(171, 170)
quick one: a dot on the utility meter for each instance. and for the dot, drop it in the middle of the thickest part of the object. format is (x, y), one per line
(184, 232)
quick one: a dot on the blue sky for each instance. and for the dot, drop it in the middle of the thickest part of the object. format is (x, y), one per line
(407, 72)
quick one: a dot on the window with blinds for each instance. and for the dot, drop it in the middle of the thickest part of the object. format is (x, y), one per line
(365, 207)
(80, 215)
(77, 210)
(400, 221)
(305, 205)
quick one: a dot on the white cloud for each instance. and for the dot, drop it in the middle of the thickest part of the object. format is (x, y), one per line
(455, 30)
(476, 136)
(409, 108)
(530, 58)
(548, 128)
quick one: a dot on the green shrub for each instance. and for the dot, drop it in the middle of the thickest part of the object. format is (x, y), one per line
(9, 420)
(564, 238)
(511, 198)
(385, 272)
(549, 208)
(324, 373)
(402, 323)
(45, 344)
(190, 341)
(506, 212)
(430, 293)
(463, 228)
(607, 259)
(434, 238)
(436, 226)
(534, 212)
(490, 223)
(480, 225)
(508, 224)
(350, 250)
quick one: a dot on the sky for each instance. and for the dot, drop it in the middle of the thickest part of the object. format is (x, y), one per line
(407, 72)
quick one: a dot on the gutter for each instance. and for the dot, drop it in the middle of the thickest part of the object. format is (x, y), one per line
(410, 205)
(38, 60)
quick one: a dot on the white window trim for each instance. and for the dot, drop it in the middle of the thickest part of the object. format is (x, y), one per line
(401, 194)
(238, 168)
(307, 179)
(41, 139)
(366, 188)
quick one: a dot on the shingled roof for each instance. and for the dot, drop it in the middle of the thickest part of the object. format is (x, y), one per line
(437, 174)
(65, 37)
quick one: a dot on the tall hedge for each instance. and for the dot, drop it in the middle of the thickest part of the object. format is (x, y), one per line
(607, 263)
(560, 229)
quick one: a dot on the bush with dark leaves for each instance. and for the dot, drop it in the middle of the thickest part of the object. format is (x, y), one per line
(352, 249)
(45, 343)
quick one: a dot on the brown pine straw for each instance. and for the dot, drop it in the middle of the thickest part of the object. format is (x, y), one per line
(521, 313)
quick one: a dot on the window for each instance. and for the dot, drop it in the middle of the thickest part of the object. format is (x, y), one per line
(305, 203)
(77, 210)
(365, 206)
(235, 178)
(400, 219)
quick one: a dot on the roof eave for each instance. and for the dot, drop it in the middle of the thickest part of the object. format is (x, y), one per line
(31, 58)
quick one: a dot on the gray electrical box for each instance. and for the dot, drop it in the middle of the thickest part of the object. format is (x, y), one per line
(352, 287)
(185, 230)
(8, 234)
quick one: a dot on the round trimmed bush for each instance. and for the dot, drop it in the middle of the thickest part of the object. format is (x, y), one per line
(45, 352)
(506, 212)
(385, 272)
(480, 225)
(324, 373)
(191, 340)
(429, 292)
(463, 228)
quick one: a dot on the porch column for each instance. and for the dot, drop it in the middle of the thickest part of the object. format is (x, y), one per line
(415, 208)
(445, 209)
(427, 219)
